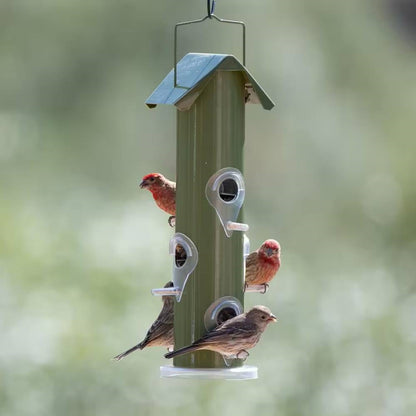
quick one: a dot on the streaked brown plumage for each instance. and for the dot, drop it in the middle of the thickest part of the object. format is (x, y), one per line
(160, 333)
(163, 191)
(234, 337)
(263, 264)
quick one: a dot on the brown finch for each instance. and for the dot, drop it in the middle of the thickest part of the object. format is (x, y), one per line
(263, 264)
(160, 333)
(234, 337)
(163, 191)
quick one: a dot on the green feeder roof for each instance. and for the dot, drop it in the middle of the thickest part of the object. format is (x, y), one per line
(193, 72)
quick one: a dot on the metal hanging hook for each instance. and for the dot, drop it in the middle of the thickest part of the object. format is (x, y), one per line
(210, 15)
(210, 8)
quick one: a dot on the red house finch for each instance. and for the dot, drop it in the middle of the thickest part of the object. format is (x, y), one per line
(160, 333)
(234, 337)
(163, 191)
(263, 264)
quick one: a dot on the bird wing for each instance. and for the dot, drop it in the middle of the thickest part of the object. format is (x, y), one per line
(162, 324)
(251, 259)
(251, 266)
(238, 329)
(226, 339)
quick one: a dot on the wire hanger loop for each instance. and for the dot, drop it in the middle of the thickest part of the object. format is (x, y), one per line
(210, 15)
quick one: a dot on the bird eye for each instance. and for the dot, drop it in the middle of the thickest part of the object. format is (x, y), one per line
(263, 317)
(151, 179)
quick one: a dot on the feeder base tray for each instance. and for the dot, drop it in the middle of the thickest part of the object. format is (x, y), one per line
(246, 372)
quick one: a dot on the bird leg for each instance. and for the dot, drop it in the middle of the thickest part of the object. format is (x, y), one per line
(172, 221)
(228, 361)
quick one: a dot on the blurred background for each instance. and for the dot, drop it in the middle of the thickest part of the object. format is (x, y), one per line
(330, 172)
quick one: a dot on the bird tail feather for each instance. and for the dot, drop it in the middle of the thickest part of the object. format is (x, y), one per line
(125, 353)
(183, 350)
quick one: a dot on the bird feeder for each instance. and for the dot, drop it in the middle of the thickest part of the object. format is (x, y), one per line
(210, 92)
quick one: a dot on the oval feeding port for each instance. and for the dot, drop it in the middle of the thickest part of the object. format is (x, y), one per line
(228, 190)
(225, 192)
(185, 259)
(180, 255)
(222, 310)
(226, 314)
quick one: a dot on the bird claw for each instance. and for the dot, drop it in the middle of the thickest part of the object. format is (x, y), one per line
(266, 288)
(172, 221)
(242, 355)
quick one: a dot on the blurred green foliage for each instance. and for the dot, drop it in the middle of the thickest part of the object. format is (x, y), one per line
(330, 173)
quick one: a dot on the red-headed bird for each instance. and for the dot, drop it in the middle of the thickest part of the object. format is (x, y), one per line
(263, 264)
(163, 191)
(234, 337)
(160, 333)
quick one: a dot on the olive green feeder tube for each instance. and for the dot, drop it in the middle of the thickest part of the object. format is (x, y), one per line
(210, 136)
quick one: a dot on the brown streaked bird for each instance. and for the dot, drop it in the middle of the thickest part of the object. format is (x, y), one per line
(263, 264)
(163, 191)
(160, 333)
(234, 337)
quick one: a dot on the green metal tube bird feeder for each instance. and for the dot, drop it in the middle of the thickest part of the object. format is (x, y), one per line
(210, 92)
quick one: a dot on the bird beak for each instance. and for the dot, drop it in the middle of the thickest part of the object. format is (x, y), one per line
(272, 318)
(269, 251)
(143, 184)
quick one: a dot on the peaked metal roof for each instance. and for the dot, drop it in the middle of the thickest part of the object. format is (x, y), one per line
(193, 71)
